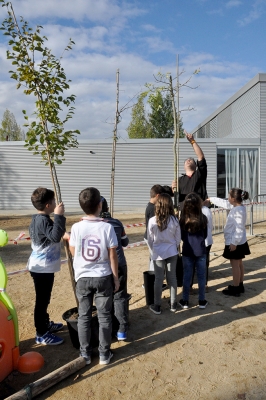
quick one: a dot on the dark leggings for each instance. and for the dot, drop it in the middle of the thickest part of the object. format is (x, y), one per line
(43, 284)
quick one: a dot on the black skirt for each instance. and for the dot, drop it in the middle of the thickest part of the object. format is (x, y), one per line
(240, 252)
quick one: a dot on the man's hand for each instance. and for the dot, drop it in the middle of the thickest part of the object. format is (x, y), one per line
(189, 136)
(174, 186)
(59, 209)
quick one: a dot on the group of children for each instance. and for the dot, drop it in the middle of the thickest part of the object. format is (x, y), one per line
(96, 243)
(164, 232)
(99, 266)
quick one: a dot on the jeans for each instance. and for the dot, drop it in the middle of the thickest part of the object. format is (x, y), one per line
(188, 266)
(43, 284)
(102, 291)
(120, 300)
(169, 264)
(208, 249)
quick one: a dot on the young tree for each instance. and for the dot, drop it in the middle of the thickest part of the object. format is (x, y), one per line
(161, 116)
(139, 127)
(40, 73)
(10, 130)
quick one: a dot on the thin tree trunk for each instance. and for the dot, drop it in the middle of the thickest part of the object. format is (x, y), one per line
(114, 146)
(176, 142)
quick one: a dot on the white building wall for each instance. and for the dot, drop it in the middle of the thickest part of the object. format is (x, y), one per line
(263, 138)
(139, 165)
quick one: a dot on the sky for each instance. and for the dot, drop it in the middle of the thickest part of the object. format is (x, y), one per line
(225, 39)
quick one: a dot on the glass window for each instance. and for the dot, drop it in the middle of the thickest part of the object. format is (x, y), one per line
(237, 168)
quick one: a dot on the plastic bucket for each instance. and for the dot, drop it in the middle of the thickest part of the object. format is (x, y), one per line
(149, 278)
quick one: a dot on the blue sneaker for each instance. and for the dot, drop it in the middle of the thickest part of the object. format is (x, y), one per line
(48, 339)
(121, 335)
(55, 326)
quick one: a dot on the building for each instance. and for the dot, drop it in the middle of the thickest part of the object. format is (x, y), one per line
(233, 139)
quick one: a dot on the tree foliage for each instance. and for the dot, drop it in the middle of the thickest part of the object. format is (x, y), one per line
(40, 73)
(139, 127)
(10, 130)
(158, 123)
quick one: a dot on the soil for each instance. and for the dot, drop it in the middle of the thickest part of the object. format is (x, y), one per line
(214, 353)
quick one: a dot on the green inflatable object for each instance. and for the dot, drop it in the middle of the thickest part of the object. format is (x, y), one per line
(4, 298)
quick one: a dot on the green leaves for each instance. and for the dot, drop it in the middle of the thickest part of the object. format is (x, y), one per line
(47, 81)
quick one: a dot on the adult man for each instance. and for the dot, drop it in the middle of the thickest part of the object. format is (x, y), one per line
(195, 177)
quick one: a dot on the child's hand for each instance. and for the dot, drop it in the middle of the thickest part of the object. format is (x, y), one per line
(59, 209)
(232, 247)
(117, 284)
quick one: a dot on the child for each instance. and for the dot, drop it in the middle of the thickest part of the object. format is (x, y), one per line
(193, 225)
(121, 296)
(93, 244)
(208, 241)
(45, 260)
(155, 191)
(163, 239)
(236, 246)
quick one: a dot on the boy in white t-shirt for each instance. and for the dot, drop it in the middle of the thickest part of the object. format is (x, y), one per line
(93, 244)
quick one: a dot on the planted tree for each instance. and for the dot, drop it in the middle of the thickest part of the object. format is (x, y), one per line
(10, 130)
(39, 73)
(164, 85)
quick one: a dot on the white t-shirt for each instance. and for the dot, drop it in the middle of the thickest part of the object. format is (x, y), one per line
(163, 244)
(207, 212)
(92, 238)
(234, 229)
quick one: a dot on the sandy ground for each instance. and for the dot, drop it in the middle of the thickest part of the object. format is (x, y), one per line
(216, 353)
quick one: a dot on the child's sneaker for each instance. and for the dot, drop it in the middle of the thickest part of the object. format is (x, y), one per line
(105, 359)
(87, 358)
(121, 335)
(55, 326)
(183, 303)
(173, 307)
(203, 303)
(155, 309)
(48, 339)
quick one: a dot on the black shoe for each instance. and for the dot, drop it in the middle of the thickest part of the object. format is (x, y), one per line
(232, 291)
(183, 303)
(203, 303)
(155, 309)
(241, 287)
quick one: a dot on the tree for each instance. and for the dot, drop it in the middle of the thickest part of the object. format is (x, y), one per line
(159, 123)
(40, 73)
(10, 129)
(139, 127)
(161, 116)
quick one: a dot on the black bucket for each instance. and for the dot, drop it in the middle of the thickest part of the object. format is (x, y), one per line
(149, 278)
(72, 324)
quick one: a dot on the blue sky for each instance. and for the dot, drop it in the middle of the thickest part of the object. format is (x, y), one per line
(224, 38)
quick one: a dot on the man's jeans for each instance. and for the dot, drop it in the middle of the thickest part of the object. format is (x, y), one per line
(121, 300)
(188, 266)
(102, 291)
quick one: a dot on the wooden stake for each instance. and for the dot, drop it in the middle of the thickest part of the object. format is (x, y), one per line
(39, 386)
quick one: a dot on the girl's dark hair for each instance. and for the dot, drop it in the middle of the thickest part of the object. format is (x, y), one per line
(238, 194)
(40, 197)
(89, 200)
(192, 219)
(164, 208)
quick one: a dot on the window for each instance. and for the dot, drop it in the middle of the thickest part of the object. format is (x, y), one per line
(237, 168)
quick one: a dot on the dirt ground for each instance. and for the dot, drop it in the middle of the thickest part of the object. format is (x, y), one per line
(216, 353)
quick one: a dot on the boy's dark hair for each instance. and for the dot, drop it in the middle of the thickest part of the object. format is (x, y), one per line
(156, 189)
(40, 197)
(104, 205)
(89, 200)
(238, 194)
(168, 190)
